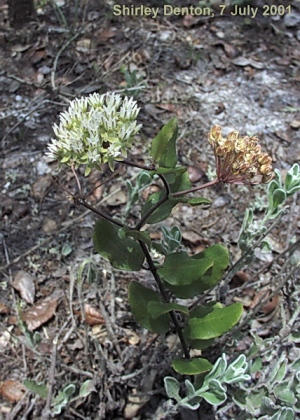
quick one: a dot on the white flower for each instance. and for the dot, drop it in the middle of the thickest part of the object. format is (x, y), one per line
(95, 130)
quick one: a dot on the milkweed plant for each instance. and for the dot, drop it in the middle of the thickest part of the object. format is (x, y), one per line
(101, 129)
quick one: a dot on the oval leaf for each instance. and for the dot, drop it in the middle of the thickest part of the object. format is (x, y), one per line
(163, 148)
(157, 309)
(216, 323)
(219, 255)
(179, 269)
(191, 366)
(163, 212)
(122, 251)
(139, 297)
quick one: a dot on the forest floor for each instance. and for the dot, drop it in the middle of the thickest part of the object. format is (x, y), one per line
(239, 71)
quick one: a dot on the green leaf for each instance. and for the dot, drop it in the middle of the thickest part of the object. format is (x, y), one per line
(279, 370)
(156, 309)
(279, 197)
(166, 171)
(62, 399)
(193, 366)
(139, 236)
(123, 253)
(200, 344)
(285, 413)
(179, 182)
(236, 371)
(191, 401)
(218, 254)
(256, 365)
(139, 297)
(191, 405)
(163, 212)
(172, 387)
(172, 238)
(196, 201)
(284, 394)
(218, 370)
(179, 269)
(163, 147)
(190, 389)
(39, 389)
(216, 394)
(66, 250)
(254, 399)
(86, 388)
(216, 323)
(292, 180)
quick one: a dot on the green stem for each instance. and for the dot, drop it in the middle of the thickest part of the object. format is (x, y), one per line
(163, 293)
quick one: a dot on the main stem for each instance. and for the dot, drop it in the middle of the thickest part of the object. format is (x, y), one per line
(165, 298)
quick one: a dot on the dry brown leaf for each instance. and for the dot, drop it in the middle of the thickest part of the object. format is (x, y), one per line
(117, 197)
(84, 45)
(5, 337)
(40, 187)
(106, 34)
(99, 332)
(131, 337)
(92, 315)
(4, 309)
(24, 283)
(271, 305)
(40, 313)
(12, 391)
(135, 403)
(168, 107)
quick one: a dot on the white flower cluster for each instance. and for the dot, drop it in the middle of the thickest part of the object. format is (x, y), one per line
(95, 130)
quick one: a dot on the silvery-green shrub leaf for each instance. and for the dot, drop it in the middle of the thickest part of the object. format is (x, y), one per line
(254, 398)
(279, 369)
(172, 387)
(215, 395)
(190, 390)
(236, 371)
(284, 394)
(266, 247)
(218, 370)
(295, 366)
(256, 365)
(284, 413)
(62, 399)
(86, 388)
(190, 405)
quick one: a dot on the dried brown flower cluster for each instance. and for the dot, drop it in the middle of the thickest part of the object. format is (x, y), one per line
(240, 159)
